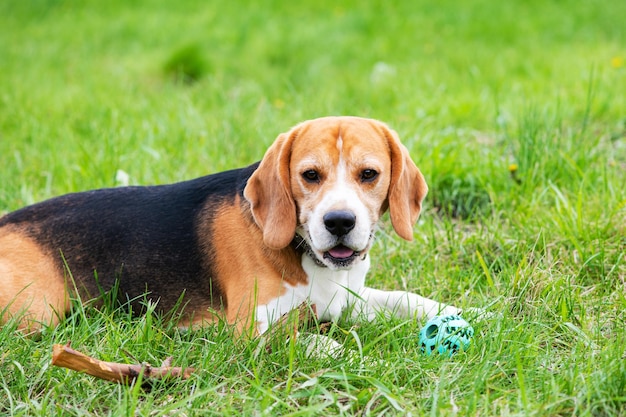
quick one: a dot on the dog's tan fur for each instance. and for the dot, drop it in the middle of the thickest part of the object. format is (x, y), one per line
(37, 289)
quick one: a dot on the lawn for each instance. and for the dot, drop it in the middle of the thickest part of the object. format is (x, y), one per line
(515, 112)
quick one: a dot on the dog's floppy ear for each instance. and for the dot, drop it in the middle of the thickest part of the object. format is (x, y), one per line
(407, 188)
(269, 193)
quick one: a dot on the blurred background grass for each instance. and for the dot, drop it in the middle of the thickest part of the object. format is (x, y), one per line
(90, 87)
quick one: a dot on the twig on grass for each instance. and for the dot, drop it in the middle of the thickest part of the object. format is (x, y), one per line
(66, 357)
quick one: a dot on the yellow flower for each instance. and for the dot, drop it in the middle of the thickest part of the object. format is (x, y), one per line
(617, 62)
(513, 171)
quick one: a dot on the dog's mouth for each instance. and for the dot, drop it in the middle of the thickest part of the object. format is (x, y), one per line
(339, 252)
(341, 255)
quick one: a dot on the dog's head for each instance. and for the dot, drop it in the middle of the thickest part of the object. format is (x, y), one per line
(329, 180)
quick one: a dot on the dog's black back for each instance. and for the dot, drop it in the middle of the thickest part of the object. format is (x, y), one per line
(136, 235)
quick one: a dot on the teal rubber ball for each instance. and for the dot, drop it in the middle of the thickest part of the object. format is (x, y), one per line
(445, 335)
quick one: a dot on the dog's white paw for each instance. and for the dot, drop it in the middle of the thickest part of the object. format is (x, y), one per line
(320, 346)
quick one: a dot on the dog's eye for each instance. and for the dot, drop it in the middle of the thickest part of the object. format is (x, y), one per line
(311, 175)
(368, 175)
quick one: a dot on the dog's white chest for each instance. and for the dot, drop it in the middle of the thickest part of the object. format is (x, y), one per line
(331, 291)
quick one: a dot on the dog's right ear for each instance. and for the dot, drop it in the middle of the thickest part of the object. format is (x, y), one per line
(269, 193)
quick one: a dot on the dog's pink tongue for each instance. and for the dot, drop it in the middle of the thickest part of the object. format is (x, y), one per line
(340, 252)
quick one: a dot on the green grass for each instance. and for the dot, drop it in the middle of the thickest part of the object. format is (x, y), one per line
(515, 111)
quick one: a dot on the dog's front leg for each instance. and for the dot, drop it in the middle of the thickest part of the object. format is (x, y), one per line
(401, 303)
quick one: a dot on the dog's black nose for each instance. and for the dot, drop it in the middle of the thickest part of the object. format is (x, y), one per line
(339, 222)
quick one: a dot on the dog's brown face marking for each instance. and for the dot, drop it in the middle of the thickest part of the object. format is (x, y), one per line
(341, 170)
(327, 162)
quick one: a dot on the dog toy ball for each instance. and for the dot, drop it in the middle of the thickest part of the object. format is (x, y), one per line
(445, 335)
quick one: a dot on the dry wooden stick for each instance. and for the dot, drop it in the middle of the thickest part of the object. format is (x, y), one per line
(66, 357)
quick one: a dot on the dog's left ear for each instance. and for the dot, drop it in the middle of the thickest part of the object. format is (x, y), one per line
(269, 193)
(407, 188)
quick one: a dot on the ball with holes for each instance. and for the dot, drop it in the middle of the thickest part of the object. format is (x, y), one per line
(445, 335)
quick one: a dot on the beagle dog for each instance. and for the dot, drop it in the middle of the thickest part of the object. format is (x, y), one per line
(246, 245)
